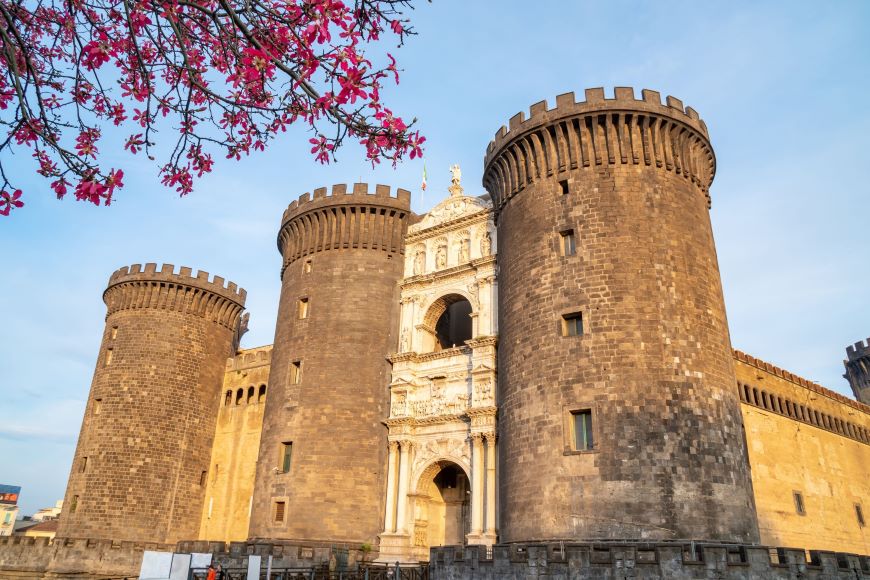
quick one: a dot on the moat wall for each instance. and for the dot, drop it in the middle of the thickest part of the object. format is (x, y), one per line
(643, 561)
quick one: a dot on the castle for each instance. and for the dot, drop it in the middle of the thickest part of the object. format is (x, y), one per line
(546, 362)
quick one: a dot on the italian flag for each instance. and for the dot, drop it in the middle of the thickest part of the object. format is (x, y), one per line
(424, 177)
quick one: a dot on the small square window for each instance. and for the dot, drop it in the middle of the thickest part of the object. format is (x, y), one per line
(286, 456)
(98, 406)
(306, 267)
(572, 324)
(581, 430)
(295, 372)
(859, 513)
(799, 506)
(280, 508)
(302, 308)
(568, 243)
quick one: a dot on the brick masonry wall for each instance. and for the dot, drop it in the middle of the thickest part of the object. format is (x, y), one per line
(649, 561)
(149, 422)
(805, 439)
(334, 491)
(654, 363)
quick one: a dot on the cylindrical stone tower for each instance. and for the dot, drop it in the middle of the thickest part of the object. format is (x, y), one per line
(619, 416)
(857, 365)
(143, 452)
(321, 473)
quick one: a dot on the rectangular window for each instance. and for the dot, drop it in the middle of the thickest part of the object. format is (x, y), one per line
(279, 511)
(286, 456)
(108, 356)
(84, 466)
(569, 246)
(572, 324)
(306, 267)
(114, 332)
(98, 406)
(799, 507)
(581, 425)
(295, 372)
(302, 308)
(859, 513)
(564, 185)
(73, 504)
(202, 478)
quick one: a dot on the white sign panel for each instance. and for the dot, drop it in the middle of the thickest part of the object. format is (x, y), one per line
(253, 567)
(180, 567)
(155, 565)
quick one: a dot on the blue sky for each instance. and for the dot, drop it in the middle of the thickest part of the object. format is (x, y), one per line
(782, 86)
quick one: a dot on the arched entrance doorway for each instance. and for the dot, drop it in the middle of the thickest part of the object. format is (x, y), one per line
(448, 323)
(442, 514)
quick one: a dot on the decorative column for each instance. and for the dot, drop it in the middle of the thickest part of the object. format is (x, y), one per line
(404, 459)
(490, 487)
(390, 521)
(476, 487)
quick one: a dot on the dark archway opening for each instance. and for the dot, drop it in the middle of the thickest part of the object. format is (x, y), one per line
(454, 326)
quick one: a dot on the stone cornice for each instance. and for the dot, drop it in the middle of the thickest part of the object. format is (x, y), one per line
(422, 280)
(482, 341)
(447, 226)
(430, 356)
(427, 420)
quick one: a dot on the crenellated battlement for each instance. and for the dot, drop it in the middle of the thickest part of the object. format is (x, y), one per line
(857, 365)
(339, 194)
(807, 384)
(342, 218)
(595, 132)
(137, 287)
(250, 358)
(149, 272)
(596, 101)
(859, 350)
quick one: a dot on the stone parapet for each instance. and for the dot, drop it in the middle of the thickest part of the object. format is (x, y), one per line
(341, 219)
(137, 287)
(596, 133)
(643, 560)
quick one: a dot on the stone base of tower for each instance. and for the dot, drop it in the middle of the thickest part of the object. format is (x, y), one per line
(397, 547)
(487, 539)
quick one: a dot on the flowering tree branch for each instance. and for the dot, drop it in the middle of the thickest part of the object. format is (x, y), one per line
(229, 75)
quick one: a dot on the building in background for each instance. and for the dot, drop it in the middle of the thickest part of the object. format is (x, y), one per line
(857, 365)
(46, 514)
(8, 508)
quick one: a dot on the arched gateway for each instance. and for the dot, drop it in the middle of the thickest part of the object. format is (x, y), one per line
(441, 471)
(442, 501)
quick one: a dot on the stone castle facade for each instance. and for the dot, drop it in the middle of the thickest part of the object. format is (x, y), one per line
(546, 362)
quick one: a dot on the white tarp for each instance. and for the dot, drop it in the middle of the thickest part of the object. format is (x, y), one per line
(253, 567)
(155, 565)
(199, 561)
(180, 567)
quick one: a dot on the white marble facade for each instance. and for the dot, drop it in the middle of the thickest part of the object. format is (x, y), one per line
(441, 485)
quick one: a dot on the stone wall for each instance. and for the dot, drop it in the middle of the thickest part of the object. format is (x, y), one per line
(226, 510)
(805, 439)
(142, 457)
(24, 558)
(628, 179)
(647, 561)
(329, 379)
